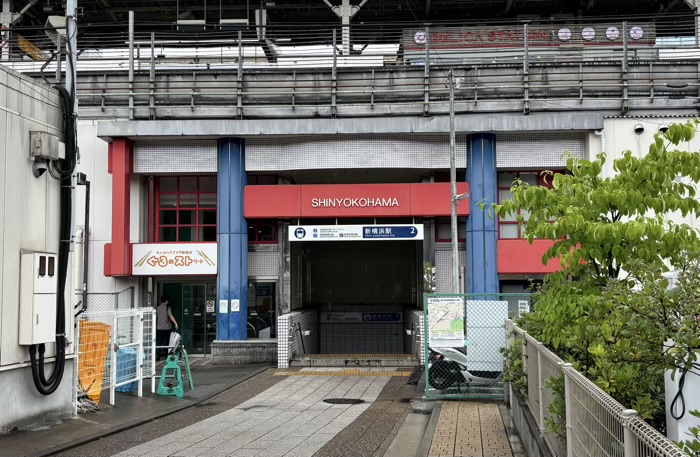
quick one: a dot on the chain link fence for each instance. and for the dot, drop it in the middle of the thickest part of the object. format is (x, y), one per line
(576, 417)
(99, 302)
(464, 336)
(116, 352)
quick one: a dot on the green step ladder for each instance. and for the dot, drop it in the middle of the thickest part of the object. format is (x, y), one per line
(171, 382)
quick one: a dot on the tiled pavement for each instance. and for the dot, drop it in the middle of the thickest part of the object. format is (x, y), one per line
(470, 430)
(290, 419)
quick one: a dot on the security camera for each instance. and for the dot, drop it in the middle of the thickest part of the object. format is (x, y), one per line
(39, 167)
(639, 129)
(663, 129)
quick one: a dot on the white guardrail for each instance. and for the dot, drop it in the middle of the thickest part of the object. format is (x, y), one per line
(595, 424)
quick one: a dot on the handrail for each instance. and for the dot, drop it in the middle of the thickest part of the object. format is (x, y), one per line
(595, 423)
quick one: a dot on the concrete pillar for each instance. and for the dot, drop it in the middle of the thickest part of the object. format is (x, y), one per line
(482, 231)
(232, 280)
(120, 166)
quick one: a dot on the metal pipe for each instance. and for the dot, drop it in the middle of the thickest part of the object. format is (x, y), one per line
(58, 59)
(7, 9)
(453, 184)
(131, 64)
(86, 245)
(72, 50)
(426, 74)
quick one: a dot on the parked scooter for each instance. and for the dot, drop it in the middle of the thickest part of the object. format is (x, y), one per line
(447, 367)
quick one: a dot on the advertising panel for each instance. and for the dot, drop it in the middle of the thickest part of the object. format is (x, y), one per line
(158, 259)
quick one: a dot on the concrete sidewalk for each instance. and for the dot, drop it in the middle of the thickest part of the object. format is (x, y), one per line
(128, 411)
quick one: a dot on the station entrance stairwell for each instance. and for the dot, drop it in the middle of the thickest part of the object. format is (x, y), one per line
(356, 302)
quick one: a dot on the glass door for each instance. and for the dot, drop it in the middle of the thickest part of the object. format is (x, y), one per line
(262, 317)
(194, 308)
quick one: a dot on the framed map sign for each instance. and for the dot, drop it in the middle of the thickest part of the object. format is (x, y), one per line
(445, 321)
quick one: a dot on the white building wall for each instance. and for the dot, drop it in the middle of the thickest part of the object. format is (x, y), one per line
(29, 220)
(94, 163)
(620, 136)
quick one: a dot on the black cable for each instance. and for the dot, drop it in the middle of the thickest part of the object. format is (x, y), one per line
(679, 396)
(44, 385)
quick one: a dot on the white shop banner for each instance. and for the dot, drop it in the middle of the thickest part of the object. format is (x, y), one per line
(174, 259)
(356, 232)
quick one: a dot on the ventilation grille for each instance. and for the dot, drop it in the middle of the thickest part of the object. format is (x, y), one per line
(312, 152)
(443, 267)
(538, 150)
(175, 156)
(263, 263)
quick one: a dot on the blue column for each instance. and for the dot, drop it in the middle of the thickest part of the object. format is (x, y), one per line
(232, 231)
(482, 231)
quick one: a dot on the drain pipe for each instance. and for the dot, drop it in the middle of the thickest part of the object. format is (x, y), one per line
(601, 134)
(82, 181)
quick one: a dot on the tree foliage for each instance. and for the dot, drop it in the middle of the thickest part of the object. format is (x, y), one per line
(609, 309)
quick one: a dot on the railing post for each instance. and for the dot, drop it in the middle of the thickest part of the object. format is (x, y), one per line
(239, 84)
(625, 69)
(629, 438)
(152, 78)
(140, 355)
(334, 75)
(526, 70)
(510, 339)
(113, 360)
(568, 404)
(540, 386)
(426, 74)
(131, 65)
(153, 351)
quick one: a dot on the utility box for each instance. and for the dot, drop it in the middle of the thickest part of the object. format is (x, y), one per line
(37, 297)
(44, 145)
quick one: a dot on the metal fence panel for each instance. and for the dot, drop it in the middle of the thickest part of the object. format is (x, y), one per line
(463, 338)
(595, 424)
(116, 351)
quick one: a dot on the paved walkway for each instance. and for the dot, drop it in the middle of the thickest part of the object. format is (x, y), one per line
(290, 419)
(471, 430)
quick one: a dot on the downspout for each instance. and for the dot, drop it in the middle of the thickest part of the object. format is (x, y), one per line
(601, 134)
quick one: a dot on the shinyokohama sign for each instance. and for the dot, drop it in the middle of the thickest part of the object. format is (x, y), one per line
(353, 202)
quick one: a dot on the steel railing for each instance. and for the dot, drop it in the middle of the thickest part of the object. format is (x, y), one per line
(593, 423)
(393, 64)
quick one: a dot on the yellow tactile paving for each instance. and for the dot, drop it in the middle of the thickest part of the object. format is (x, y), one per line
(467, 429)
(343, 373)
(359, 356)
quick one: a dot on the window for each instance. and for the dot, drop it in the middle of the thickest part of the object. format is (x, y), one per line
(186, 208)
(508, 227)
(262, 231)
(443, 229)
(268, 180)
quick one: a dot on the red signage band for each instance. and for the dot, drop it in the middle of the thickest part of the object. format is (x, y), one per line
(352, 200)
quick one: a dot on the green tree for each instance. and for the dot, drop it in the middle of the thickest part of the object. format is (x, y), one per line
(609, 310)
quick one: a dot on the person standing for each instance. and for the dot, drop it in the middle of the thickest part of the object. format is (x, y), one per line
(164, 325)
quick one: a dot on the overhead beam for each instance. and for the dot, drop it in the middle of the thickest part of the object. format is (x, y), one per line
(504, 122)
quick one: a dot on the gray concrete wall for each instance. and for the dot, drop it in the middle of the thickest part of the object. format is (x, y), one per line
(29, 220)
(23, 406)
(243, 352)
(525, 424)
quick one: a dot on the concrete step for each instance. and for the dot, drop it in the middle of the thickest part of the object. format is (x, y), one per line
(354, 360)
